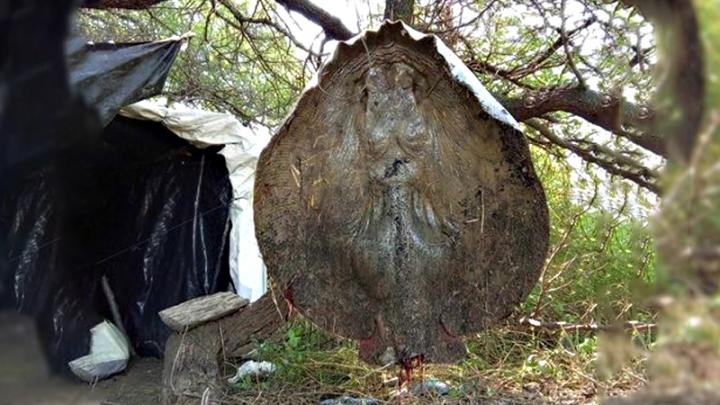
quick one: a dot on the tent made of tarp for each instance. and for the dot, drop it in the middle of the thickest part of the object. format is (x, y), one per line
(241, 148)
(116, 217)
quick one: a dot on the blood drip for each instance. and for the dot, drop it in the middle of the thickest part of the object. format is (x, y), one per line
(407, 366)
(288, 295)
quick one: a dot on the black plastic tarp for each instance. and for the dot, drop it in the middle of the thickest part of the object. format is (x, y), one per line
(166, 241)
(39, 111)
(145, 209)
(110, 76)
(131, 203)
(45, 82)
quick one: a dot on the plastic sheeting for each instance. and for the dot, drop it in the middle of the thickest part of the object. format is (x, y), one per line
(110, 76)
(133, 203)
(40, 112)
(165, 240)
(108, 355)
(40, 277)
(242, 147)
(144, 209)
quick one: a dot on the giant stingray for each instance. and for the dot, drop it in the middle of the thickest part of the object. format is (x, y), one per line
(396, 208)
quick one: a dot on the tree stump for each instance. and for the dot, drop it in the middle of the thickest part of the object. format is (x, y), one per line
(195, 359)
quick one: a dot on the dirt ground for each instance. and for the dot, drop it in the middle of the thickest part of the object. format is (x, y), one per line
(25, 379)
(140, 385)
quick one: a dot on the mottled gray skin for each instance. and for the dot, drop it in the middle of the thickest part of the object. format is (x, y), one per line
(391, 209)
(399, 251)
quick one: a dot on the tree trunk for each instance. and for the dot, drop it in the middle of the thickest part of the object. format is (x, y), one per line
(400, 10)
(681, 94)
(195, 360)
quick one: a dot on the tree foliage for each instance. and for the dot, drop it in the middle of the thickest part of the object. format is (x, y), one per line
(576, 72)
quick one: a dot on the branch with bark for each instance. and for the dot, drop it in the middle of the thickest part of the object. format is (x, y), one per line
(611, 161)
(333, 27)
(536, 62)
(127, 4)
(242, 20)
(610, 112)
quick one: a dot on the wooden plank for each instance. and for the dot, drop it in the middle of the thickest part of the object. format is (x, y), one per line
(198, 311)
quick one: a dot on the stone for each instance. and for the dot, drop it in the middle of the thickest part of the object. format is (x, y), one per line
(350, 401)
(431, 387)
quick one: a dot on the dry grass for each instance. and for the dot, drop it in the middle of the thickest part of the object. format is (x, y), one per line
(504, 366)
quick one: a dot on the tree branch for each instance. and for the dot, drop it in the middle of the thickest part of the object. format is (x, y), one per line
(535, 63)
(263, 21)
(607, 111)
(400, 10)
(128, 4)
(333, 27)
(611, 161)
(566, 47)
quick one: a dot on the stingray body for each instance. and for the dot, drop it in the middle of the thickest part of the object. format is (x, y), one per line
(394, 209)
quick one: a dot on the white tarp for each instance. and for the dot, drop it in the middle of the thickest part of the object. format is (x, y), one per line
(241, 151)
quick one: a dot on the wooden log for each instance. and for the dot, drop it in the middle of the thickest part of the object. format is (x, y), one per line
(260, 321)
(195, 359)
(192, 367)
(198, 311)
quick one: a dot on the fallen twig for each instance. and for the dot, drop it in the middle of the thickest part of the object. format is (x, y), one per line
(565, 326)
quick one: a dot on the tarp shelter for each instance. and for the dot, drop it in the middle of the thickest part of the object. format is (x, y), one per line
(241, 147)
(135, 211)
